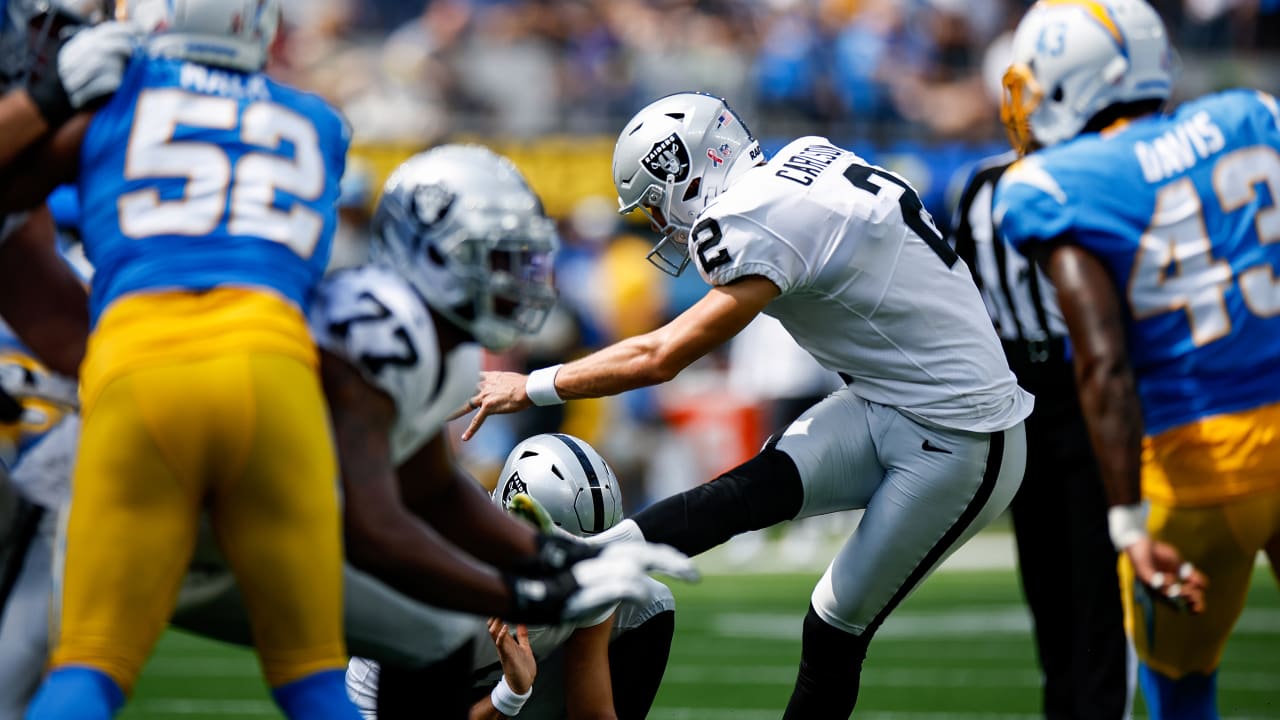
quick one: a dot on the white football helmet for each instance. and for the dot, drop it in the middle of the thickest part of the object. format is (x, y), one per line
(232, 34)
(672, 159)
(1072, 59)
(568, 478)
(464, 228)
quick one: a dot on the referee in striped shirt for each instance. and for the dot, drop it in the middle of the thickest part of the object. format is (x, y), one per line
(1066, 559)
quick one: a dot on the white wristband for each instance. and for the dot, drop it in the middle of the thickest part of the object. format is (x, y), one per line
(1127, 524)
(541, 386)
(508, 701)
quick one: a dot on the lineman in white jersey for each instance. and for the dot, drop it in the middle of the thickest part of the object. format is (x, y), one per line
(462, 254)
(927, 436)
(608, 665)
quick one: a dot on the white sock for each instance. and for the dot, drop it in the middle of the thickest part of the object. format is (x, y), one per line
(625, 531)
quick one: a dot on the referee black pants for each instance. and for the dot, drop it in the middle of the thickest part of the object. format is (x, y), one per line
(1065, 557)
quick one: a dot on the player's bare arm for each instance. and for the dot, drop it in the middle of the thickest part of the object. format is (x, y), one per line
(586, 659)
(1112, 410)
(437, 490)
(89, 68)
(41, 297)
(382, 535)
(21, 124)
(50, 162)
(649, 359)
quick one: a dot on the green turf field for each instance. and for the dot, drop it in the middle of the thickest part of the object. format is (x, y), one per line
(958, 650)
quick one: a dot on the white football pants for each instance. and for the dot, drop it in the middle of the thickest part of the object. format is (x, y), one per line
(24, 629)
(926, 490)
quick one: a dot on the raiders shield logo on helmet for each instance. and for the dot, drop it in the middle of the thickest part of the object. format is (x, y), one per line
(668, 157)
(515, 486)
(431, 203)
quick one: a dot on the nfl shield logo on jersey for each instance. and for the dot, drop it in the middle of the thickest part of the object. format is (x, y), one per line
(668, 158)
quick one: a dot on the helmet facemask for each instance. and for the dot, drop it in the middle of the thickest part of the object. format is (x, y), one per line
(1022, 96)
(509, 280)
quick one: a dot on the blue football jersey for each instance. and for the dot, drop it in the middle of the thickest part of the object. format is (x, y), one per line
(1182, 210)
(194, 178)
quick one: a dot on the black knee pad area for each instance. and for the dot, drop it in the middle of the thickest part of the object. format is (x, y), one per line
(759, 493)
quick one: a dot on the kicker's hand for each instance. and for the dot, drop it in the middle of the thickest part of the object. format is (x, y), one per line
(1160, 567)
(498, 393)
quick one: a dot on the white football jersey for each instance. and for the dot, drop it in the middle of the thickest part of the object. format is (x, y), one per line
(869, 286)
(373, 319)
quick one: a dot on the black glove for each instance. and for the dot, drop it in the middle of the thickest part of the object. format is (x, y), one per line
(540, 601)
(555, 554)
(593, 585)
(81, 70)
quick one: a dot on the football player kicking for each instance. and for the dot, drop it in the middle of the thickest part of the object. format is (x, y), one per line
(1158, 232)
(927, 436)
(606, 666)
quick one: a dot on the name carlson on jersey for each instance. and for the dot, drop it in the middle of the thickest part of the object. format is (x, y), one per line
(807, 164)
(1179, 149)
(201, 79)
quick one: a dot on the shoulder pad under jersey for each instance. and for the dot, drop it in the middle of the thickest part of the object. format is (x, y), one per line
(373, 319)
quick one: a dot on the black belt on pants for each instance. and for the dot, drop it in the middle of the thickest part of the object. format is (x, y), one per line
(1034, 352)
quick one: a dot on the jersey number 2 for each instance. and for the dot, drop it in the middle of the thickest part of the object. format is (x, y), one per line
(245, 195)
(876, 181)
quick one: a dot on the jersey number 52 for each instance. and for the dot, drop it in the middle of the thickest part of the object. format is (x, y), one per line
(243, 195)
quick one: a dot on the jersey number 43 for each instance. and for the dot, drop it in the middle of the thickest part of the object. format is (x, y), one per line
(242, 195)
(1175, 268)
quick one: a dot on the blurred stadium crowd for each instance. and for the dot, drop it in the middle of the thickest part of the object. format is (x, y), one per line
(909, 84)
(524, 68)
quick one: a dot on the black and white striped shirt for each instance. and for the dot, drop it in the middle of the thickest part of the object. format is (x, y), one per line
(1019, 298)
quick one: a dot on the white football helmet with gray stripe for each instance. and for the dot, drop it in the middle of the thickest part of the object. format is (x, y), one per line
(672, 159)
(568, 478)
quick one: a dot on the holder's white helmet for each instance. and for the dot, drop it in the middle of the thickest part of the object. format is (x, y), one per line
(568, 478)
(1072, 59)
(672, 159)
(233, 34)
(460, 223)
